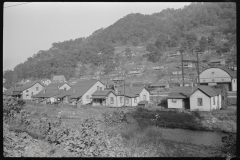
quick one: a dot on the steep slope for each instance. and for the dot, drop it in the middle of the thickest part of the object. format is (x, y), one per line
(160, 33)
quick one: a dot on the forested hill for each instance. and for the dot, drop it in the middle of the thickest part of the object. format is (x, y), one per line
(188, 28)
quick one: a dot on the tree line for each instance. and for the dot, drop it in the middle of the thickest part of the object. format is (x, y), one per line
(199, 26)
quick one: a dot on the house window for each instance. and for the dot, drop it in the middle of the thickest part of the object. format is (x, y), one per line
(97, 87)
(213, 80)
(199, 101)
(121, 99)
(111, 99)
(65, 88)
(212, 72)
(36, 88)
(27, 91)
(213, 100)
(174, 100)
(87, 96)
(144, 97)
(100, 88)
(127, 100)
(119, 92)
(26, 95)
(135, 100)
(222, 79)
(32, 93)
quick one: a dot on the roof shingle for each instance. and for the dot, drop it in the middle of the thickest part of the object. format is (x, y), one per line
(82, 87)
(48, 93)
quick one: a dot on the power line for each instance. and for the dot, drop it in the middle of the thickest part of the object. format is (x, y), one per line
(16, 5)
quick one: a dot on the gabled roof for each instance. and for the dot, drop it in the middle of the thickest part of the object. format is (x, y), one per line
(27, 85)
(102, 93)
(81, 87)
(177, 95)
(49, 93)
(56, 85)
(143, 102)
(130, 95)
(131, 90)
(159, 83)
(186, 92)
(208, 91)
(181, 92)
(58, 78)
(9, 91)
(64, 93)
(217, 60)
(218, 90)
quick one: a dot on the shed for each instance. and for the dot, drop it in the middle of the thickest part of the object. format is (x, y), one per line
(142, 103)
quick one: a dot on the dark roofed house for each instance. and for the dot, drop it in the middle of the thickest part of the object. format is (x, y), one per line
(64, 95)
(9, 91)
(58, 79)
(134, 94)
(139, 84)
(218, 61)
(159, 84)
(84, 90)
(58, 85)
(104, 98)
(203, 98)
(47, 95)
(142, 103)
(26, 91)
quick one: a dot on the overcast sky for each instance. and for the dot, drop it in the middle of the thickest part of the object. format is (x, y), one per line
(30, 27)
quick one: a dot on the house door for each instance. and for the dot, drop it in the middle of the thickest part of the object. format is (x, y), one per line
(186, 104)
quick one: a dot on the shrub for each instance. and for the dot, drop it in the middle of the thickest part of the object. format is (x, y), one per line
(196, 114)
(114, 117)
(163, 103)
(229, 145)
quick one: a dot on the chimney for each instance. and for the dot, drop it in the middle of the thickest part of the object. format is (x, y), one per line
(192, 86)
(116, 90)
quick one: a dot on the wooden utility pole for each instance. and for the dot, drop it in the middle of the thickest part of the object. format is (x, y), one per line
(124, 92)
(198, 69)
(195, 62)
(182, 68)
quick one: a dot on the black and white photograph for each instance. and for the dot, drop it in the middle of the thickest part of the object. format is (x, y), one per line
(119, 79)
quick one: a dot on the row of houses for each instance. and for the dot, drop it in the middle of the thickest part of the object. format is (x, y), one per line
(203, 98)
(83, 92)
(94, 92)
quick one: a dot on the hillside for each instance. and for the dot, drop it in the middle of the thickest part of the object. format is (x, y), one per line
(141, 38)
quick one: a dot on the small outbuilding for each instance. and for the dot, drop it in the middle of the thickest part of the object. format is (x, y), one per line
(142, 104)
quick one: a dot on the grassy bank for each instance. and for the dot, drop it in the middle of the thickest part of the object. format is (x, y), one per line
(169, 119)
(134, 133)
(218, 120)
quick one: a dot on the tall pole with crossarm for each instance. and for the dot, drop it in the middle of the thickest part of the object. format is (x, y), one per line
(182, 68)
(198, 69)
(124, 92)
